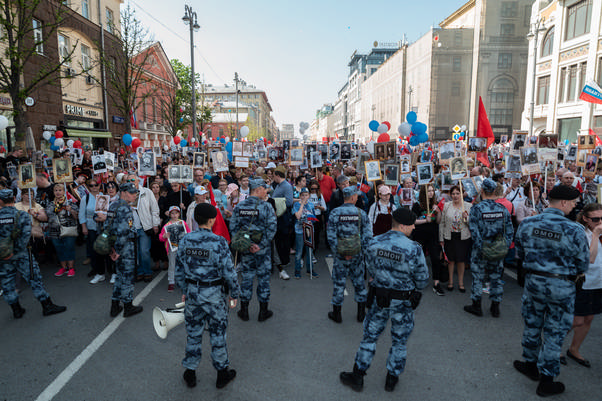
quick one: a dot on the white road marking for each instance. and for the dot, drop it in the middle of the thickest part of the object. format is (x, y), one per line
(329, 263)
(55, 387)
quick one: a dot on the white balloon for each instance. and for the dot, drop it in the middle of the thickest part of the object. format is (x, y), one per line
(165, 148)
(244, 131)
(3, 122)
(370, 147)
(463, 128)
(405, 129)
(70, 143)
(227, 139)
(59, 142)
(382, 128)
(46, 135)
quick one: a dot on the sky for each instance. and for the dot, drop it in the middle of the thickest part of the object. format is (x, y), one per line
(296, 51)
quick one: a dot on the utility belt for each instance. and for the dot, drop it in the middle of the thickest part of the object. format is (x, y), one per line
(215, 283)
(577, 279)
(384, 296)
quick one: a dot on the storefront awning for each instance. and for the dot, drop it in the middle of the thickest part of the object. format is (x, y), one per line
(88, 134)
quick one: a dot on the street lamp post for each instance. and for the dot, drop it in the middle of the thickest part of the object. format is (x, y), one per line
(237, 80)
(534, 33)
(190, 19)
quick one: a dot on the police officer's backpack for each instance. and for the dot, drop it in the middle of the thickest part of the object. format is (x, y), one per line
(495, 249)
(105, 241)
(7, 243)
(245, 237)
(351, 245)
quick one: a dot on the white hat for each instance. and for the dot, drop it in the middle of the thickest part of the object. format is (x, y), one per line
(172, 208)
(271, 165)
(200, 190)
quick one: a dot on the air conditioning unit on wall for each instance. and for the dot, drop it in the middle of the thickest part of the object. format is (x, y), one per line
(70, 72)
(89, 80)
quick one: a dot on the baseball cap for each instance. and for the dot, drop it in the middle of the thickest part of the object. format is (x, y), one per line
(488, 185)
(384, 190)
(172, 208)
(128, 187)
(200, 190)
(349, 191)
(6, 194)
(231, 188)
(271, 165)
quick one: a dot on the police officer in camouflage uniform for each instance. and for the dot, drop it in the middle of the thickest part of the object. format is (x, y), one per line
(345, 221)
(487, 220)
(19, 260)
(121, 220)
(203, 267)
(554, 251)
(257, 215)
(399, 269)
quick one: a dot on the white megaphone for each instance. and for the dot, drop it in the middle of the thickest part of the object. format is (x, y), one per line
(165, 320)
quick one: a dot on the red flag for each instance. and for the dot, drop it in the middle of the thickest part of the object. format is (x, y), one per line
(483, 127)
(219, 228)
(482, 157)
(598, 141)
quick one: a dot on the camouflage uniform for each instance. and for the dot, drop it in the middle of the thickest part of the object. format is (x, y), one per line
(487, 220)
(259, 264)
(397, 263)
(20, 260)
(123, 229)
(204, 257)
(343, 222)
(549, 243)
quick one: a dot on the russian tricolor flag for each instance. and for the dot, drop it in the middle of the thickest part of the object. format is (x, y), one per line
(312, 217)
(591, 93)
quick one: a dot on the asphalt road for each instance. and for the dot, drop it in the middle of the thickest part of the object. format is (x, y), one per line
(84, 354)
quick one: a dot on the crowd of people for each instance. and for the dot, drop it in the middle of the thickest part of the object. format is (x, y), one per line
(258, 219)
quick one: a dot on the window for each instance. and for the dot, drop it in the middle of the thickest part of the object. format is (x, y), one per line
(86, 61)
(64, 48)
(501, 116)
(572, 86)
(548, 43)
(509, 9)
(38, 36)
(502, 100)
(578, 19)
(86, 9)
(543, 90)
(568, 128)
(457, 63)
(458, 38)
(600, 71)
(455, 89)
(110, 22)
(507, 29)
(527, 16)
(582, 71)
(561, 85)
(504, 61)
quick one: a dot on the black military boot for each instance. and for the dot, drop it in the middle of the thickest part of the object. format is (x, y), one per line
(335, 315)
(475, 308)
(354, 379)
(224, 377)
(18, 311)
(131, 310)
(264, 313)
(361, 311)
(528, 369)
(390, 382)
(547, 386)
(190, 377)
(116, 308)
(243, 312)
(495, 309)
(48, 308)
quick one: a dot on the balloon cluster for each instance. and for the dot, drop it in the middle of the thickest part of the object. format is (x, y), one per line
(382, 129)
(414, 129)
(128, 140)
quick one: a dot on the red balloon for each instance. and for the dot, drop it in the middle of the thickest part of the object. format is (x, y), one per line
(58, 134)
(176, 139)
(136, 142)
(388, 124)
(269, 142)
(77, 144)
(383, 137)
(122, 151)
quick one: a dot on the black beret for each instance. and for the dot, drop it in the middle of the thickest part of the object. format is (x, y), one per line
(205, 210)
(404, 216)
(564, 192)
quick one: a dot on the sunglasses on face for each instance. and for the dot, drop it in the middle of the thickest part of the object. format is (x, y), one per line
(595, 219)
(94, 185)
(131, 180)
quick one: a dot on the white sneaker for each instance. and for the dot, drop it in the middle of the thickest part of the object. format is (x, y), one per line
(113, 278)
(284, 275)
(314, 260)
(98, 278)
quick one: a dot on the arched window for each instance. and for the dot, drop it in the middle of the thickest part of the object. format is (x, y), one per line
(502, 102)
(548, 43)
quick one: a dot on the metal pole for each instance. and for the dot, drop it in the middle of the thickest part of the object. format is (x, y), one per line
(193, 78)
(536, 34)
(236, 84)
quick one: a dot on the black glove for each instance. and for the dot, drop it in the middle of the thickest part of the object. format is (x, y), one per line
(520, 273)
(415, 298)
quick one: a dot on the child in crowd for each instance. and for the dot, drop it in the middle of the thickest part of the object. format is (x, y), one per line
(171, 234)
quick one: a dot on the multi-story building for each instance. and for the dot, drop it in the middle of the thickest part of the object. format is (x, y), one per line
(224, 117)
(325, 122)
(340, 113)
(287, 132)
(569, 53)
(77, 105)
(248, 94)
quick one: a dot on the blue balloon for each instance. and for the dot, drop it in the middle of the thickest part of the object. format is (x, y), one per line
(566, 141)
(229, 147)
(183, 143)
(54, 147)
(418, 128)
(373, 125)
(51, 140)
(222, 140)
(414, 140)
(181, 119)
(411, 117)
(423, 137)
(127, 139)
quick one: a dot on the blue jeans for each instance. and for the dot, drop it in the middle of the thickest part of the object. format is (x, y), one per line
(144, 258)
(299, 248)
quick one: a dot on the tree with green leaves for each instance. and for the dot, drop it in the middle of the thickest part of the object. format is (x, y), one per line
(25, 37)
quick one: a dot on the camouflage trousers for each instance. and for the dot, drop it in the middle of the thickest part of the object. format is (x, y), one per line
(402, 323)
(478, 268)
(8, 273)
(206, 306)
(123, 289)
(355, 269)
(547, 309)
(251, 265)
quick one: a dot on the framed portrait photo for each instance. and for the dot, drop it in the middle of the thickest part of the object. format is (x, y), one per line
(391, 150)
(380, 151)
(186, 173)
(174, 173)
(247, 149)
(296, 156)
(372, 170)
(236, 148)
(591, 164)
(241, 162)
(458, 168)
(425, 173)
(61, 170)
(308, 235)
(99, 166)
(220, 161)
(447, 151)
(391, 173)
(519, 139)
(315, 159)
(405, 164)
(27, 176)
(407, 196)
(477, 144)
(102, 203)
(548, 141)
(198, 160)
(147, 164)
